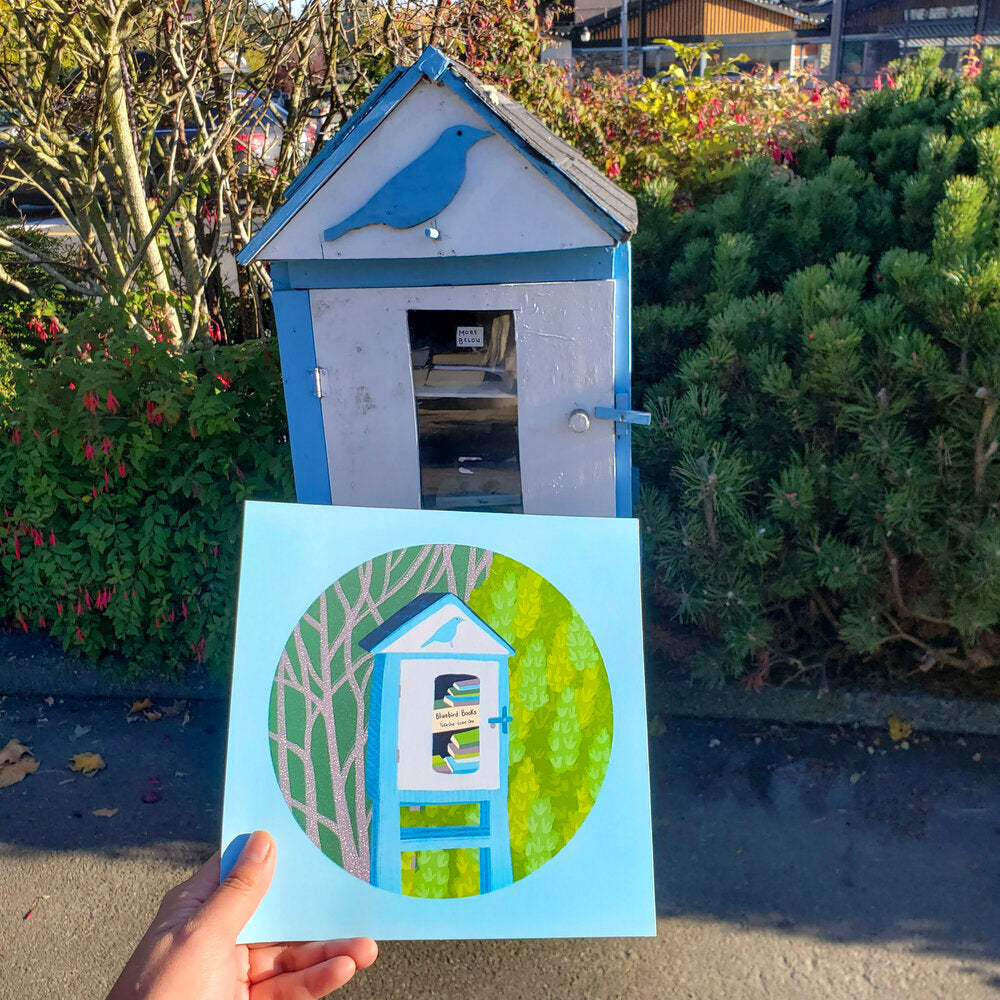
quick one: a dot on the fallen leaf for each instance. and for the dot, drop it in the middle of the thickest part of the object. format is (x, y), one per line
(187, 719)
(175, 709)
(79, 731)
(714, 743)
(104, 812)
(66, 781)
(140, 706)
(50, 701)
(899, 728)
(977, 757)
(180, 774)
(16, 762)
(89, 763)
(856, 777)
(152, 716)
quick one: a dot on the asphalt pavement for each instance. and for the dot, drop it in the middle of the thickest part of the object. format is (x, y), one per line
(792, 863)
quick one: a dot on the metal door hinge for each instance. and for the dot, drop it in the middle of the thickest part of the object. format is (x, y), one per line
(317, 373)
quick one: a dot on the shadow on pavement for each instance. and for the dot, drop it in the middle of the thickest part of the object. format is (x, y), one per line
(799, 829)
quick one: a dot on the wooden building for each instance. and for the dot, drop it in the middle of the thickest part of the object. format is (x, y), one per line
(763, 29)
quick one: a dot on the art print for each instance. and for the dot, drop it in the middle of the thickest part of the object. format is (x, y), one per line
(434, 723)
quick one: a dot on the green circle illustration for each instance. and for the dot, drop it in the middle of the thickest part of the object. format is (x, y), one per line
(440, 721)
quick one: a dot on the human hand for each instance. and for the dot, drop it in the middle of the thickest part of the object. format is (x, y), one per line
(190, 950)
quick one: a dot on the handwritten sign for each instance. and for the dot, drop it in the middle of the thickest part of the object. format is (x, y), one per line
(470, 336)
(455, 717)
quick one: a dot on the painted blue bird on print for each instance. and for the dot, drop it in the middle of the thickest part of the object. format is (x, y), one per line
(424, 187)
(444, 633)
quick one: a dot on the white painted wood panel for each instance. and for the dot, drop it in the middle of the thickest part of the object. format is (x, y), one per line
(564, 334)
(505, 205)
(369, 414)
(416, 708)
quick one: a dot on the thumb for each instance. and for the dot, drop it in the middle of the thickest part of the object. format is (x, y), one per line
(233, 903)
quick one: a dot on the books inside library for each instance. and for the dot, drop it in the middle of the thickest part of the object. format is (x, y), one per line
(465, 384)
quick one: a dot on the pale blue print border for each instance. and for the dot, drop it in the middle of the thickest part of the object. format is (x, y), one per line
(600, 884)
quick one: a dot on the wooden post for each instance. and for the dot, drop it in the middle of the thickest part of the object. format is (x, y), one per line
(836, 38)
(624, 33)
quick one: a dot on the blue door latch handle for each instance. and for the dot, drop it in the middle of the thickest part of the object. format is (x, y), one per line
(503, 718)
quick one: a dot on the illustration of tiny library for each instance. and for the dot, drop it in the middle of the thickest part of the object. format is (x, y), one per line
(420, 653)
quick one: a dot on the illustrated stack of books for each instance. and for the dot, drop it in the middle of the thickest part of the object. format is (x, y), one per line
(463, 752)
(463, 692)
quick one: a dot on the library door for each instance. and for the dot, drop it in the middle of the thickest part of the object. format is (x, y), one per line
(459, 397)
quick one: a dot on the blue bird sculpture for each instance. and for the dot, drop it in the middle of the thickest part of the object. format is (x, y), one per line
(444, 633)
(422, 189)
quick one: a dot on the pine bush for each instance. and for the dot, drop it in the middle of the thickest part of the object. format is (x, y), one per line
(820, 352)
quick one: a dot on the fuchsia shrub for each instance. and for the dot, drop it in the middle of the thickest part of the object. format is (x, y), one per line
(123, 467)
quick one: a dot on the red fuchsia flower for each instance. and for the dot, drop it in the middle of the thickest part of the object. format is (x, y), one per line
(37, 538)
(152, 415)
(214, 331)
(52, 538)
(59, 608)
(105, 480)
(878, 82)
(227, 382)
(35, 326)
(94, 492)
(86, 597)
(72, 385)
(16, 436)
(79, 608)
(90, 401)
(184, 609)
(890, 81)
(112, 403)
(89, 450)
(843, 101)
(193, 435)
(106, 445)
(17, 546)
(53, 325)
(41, 619)
(815, 96)
(121, 469)
(79, 634)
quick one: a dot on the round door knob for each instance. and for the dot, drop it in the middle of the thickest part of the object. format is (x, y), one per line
(579, 421)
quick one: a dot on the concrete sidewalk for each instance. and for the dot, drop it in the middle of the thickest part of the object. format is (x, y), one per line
(791, 864)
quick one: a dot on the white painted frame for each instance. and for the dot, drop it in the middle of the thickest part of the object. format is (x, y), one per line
(414, 771)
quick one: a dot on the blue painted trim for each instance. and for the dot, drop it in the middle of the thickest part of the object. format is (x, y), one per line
(392, 95)
(623, 375)
(433, 65)
(586, 264)
(420, 616)
(388, 81)
(297, 347)
(561, 180)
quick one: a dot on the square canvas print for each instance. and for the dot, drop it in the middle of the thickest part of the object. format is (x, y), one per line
(440, 716)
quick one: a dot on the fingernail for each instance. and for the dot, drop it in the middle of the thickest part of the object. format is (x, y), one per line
(257, 848)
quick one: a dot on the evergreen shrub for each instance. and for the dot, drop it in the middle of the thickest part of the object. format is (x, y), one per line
(820, 352)
(123, 468)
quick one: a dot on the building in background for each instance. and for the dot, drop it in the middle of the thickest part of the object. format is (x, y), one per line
(851, 40)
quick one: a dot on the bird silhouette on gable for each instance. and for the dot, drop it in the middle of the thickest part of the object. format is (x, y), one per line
(443, 633)
(420, 190)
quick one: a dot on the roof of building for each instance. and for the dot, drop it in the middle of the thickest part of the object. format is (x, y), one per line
(582, 183)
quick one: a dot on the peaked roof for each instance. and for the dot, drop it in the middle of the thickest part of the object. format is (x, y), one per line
(597, 196)
(397, 622)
